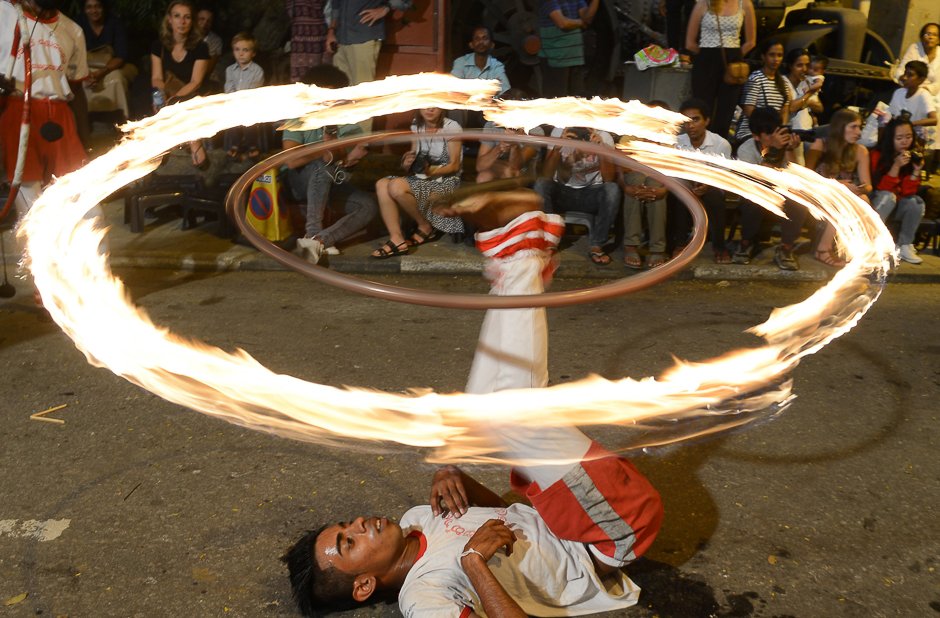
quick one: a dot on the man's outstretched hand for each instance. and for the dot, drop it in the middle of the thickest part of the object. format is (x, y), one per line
(492, 209)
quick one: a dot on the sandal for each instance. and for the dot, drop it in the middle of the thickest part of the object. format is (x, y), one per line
(722, 257)
(632, 259)
(600, 258)
(419, 237)
(655, 259)
(390, 249)
(827, 258)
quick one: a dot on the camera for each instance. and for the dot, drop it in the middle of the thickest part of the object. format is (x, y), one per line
(805, 135)
(917, 157)
(419, 165)
(331, 130)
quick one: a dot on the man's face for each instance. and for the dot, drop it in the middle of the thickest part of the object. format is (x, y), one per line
(204, 21)
(362, 546)
(481, 42)
(696, 125)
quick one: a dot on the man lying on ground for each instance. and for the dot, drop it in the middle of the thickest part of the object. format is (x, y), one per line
(468, 553)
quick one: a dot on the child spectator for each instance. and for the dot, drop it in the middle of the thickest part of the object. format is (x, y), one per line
(896, 169)
(912, 100)
(770, 144)
(243, 74)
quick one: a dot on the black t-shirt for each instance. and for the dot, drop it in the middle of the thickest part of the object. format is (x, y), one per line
(183, 70)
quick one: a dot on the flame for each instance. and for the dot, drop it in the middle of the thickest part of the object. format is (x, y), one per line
(91, 306)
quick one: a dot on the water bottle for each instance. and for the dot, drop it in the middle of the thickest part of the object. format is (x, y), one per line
(158, 99)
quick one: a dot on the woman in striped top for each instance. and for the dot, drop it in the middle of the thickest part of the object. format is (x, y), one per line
(764, 88)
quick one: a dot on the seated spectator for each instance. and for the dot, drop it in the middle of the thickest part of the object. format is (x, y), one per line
(497, 160)
(179, 61)
(896, 165)
(802, 92)
(697, 137)
(573, 180)
(106, 86)
(204, 21)
(913, 100)
(243, 74)
(771, 144)
(479, 64)
(765, 87)
(433, 166)
(323, 180)
(840, 155)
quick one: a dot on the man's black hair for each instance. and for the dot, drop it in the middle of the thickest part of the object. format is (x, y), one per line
(489, 31)
(764, 120)
(325, 76)
(696, 104)
(316, 590)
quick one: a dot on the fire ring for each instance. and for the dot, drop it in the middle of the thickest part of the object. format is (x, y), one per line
(237, 200)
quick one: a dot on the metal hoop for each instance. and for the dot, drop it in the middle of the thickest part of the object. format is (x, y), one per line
(237, 198)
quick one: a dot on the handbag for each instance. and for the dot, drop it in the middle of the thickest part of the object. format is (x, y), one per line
(737, 72)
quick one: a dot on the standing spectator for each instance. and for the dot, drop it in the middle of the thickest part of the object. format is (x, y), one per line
(840, 156)
(561, 29)
(308, 36)
(355, 34)
(433, 167)
(802, 92)
(106, 86)
(896, 169)
(179, 60)
(58, 46)
(913, 100)
(322, 179)
(243, 74)
(204, 21)
(582, 182)
(479, 63)
(697, 137)
(771, 144)
(714, 36)
(765, 87)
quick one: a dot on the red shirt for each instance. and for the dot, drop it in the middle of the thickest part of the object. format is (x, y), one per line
(902, 187)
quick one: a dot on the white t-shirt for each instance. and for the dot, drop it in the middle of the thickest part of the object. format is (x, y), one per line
(431, 144)
(545, 575)
(57, 50)
(586, 171)
(749, 152)
(803, 119)
(919, 105)
(713, 144)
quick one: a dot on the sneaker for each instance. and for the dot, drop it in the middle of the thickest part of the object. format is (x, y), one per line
(742, 255)
(909, 254)
(310, 249)
(331, 251)
(784, 259)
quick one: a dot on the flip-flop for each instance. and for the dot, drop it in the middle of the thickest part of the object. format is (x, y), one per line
(632, 259)
(389, 249)
(600, 258)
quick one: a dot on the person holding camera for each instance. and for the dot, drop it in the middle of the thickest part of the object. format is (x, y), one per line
(772, 144)
(840, 156)
(433, 166)
(575, 180)
(896, 165)
(322, 179)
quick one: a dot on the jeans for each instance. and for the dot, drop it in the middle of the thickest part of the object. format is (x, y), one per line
(910, 212)
(601, 200)
(314, 183)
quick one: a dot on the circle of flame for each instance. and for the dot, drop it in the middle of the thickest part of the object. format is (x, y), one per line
(84, 298)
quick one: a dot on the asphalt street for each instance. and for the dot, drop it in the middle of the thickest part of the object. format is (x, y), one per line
(137, 507)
